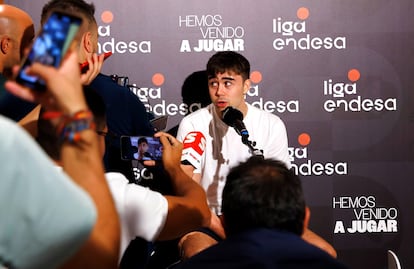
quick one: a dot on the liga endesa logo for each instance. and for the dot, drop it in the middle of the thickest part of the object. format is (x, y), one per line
(345, 96)
(108, 43)
(253, 97)
(294, 35)
(153, 100)
(303, 165)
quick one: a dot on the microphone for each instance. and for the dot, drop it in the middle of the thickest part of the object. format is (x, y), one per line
(194, 145)
(234, 118)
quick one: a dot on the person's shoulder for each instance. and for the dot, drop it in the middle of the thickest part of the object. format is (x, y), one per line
(14, 133)
(120, 185)
(253, 248)
(116, 179)
(104, 82)
(102, 78)
(195, 121)
(7, 123)
(289, 245)
(110, 90)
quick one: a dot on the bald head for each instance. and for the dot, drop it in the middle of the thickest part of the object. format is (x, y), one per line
(16, 33)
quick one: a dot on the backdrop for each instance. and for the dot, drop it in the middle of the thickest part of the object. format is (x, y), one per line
(339, 73)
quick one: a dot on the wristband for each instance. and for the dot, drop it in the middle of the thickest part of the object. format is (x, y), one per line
(72, 125)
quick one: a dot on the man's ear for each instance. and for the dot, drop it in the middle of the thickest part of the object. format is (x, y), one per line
(246, 86)
(306, 218)
(87, 42)
(5, 44)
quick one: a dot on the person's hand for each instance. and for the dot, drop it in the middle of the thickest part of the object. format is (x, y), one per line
(64, 89)
(171, 152)
(95, 63)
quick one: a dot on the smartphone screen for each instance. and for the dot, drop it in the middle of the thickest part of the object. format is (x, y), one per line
(49, 46)
(141, 148)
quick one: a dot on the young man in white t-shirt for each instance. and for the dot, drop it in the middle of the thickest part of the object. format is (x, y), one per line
(228, 82)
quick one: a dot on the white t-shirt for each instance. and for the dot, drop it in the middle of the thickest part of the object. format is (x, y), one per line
(224, 148)
(142, 212)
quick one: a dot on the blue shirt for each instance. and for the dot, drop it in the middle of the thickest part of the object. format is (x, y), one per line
(262, 248)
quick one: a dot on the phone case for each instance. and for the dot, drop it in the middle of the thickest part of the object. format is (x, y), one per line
(49, 46)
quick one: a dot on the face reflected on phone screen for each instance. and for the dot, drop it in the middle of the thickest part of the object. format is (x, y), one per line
(142, 148)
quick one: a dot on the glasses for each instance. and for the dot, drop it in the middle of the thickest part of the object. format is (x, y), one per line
(102, 133)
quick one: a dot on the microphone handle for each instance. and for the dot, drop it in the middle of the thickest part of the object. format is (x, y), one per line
(241, 129)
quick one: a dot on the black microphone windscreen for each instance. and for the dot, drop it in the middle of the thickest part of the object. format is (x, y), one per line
(231, 115)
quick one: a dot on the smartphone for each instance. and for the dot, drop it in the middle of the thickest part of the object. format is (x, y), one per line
(49, 46)
(85, 66)
(141, 148)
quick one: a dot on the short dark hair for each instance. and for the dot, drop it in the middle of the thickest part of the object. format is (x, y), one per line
(228, 61)
(195, 89)
(142, 140)
(80, 7)
(263, 193)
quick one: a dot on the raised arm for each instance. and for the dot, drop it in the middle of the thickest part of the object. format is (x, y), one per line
(81, 160)
(187, 209)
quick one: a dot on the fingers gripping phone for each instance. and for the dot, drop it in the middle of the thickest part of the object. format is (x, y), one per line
(141, 148)
(85, 66)
(49, 46)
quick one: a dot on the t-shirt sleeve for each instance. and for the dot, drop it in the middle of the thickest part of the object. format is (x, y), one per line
(146, 211)
(184, 128)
